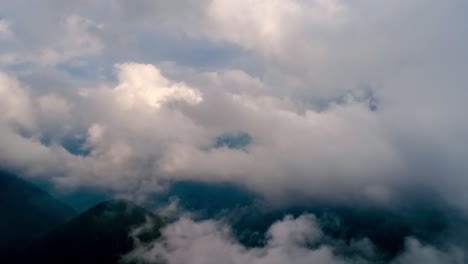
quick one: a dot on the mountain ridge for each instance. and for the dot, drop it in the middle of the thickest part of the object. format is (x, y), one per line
(28, 213)
(102, 234)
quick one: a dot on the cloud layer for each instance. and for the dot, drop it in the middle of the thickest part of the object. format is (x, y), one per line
(291, 240)
(344, 102)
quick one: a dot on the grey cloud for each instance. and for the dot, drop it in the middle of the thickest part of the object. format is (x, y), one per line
(5, 30)
(290, 240)
(210, 242)
(147, 128)
(418, 253)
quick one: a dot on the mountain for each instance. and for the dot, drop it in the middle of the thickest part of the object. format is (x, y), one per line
(99, 235)
(27, 213)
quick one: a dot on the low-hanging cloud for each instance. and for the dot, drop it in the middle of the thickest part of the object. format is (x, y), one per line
(290, 240)
(146, 130)
(150, 128)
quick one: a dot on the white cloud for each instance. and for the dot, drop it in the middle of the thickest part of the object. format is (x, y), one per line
(80, 37)
(149, 128)
(55, 107)
(418, 253)
(75, 37)
(144, 84)
(209, 242)
(291, 152)
(15, 103)
(302, 231)
(270, 26)
(291, 240)
(5, 30)
(115, 162)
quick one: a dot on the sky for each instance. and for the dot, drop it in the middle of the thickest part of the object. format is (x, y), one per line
(353, 103)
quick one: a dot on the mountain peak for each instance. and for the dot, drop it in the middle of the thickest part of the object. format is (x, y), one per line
(99, 235)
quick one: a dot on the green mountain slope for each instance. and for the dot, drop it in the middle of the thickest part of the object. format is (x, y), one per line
(26, 213)
(99, 235)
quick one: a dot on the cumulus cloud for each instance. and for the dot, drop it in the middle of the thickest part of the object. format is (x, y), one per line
(305, 45)
(5, 30)
(290, 240)
(54, 110)
(16, 103)
(81, 37)
(269, 26)
(145, 84)
(140, 94)
(148, 128)
(77, 37)
(316, 54)
(418, 253)
(187, 241)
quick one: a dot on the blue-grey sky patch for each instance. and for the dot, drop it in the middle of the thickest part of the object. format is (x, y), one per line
(238, 140)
